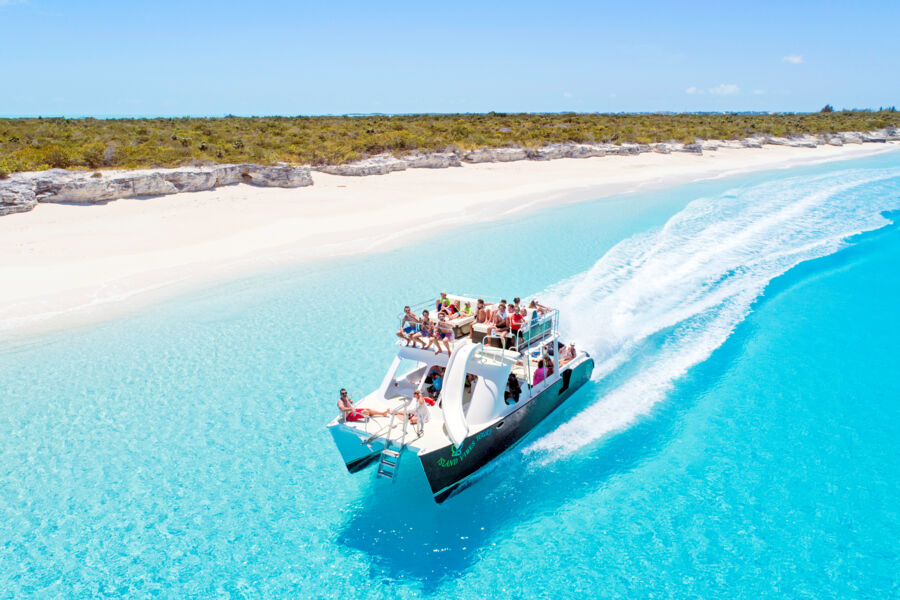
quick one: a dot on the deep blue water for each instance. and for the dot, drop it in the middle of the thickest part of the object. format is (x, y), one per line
(739, 440)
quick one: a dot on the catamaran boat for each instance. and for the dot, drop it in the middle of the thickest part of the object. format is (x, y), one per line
(493, 392)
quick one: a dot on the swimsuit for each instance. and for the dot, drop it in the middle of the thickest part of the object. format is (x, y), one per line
(355, 415)
(442, 334)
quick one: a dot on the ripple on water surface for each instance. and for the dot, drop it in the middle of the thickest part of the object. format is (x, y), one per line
(740, 443)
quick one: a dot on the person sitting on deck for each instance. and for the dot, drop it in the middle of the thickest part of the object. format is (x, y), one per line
(443, 332)
(466, 310)
(482, 315)
(497, 308)
(513, 390)
(516, 318)
(435, 382)
(442, 302)
(540, 373)
(351, 413)
(537, 306)
(516, 303)
(451, 311)
(426, 330)
(567, 356)
(409, 324)
(499, 324)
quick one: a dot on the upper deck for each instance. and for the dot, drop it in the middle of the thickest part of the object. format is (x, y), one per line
(539, 325)
(481, 387)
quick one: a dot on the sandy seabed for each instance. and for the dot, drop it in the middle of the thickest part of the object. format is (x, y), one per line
(63, 264)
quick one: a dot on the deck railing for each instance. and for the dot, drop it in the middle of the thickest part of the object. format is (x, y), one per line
(534, 331)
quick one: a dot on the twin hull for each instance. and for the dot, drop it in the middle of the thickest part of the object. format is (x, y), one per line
(448, 467)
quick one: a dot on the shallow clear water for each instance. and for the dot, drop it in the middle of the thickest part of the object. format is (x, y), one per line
(739, 438)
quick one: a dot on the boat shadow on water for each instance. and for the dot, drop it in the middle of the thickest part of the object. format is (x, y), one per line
(408, 536)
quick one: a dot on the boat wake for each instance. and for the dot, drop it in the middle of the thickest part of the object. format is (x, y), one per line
(661, 302)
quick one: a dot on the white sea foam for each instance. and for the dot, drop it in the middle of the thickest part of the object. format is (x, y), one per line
(695, 279)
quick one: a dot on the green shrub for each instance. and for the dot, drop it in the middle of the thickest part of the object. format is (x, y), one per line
(93, 155)
(33, 144)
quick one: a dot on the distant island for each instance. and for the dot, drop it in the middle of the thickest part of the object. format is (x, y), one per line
(36, 144)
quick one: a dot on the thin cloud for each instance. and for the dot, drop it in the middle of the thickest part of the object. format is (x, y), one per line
(759, 92)
(693, 90)
(794, 59)
(567, 94)
(725, 89)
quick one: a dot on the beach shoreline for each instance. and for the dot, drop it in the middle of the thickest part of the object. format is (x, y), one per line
(69, 265)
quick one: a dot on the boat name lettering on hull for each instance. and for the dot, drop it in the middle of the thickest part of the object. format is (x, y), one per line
(458, 455)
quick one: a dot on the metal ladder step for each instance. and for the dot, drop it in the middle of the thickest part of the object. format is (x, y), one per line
(389, 459)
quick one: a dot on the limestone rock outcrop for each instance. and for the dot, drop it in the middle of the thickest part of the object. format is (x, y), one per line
(376, 165)
(875, 136)
(435, 160)
(495, 155)
(23, 190)
(15, 198)
(383, 164)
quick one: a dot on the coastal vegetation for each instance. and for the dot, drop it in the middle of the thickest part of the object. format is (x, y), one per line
(42, 143)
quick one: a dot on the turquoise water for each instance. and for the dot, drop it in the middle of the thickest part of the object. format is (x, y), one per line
(739, 439)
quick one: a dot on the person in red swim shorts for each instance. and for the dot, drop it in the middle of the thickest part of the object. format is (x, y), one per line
(351, 413)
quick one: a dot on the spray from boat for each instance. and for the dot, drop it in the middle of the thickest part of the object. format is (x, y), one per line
(662, 302)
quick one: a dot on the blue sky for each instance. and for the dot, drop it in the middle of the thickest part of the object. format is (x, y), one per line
(107, 58)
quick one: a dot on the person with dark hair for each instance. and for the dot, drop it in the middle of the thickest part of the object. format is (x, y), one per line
(567, 356)
(443, 333)
(540, 373)
(409, 324)
(499, 323)
(351, 413)
(513, 390)
(426, 330)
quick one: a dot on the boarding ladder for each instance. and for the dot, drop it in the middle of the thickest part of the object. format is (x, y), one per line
(389, 460)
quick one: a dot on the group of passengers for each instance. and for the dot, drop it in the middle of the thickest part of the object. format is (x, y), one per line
(501, 320)
(505, 318)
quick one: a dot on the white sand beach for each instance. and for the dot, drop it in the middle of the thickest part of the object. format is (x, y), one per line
(65, 264)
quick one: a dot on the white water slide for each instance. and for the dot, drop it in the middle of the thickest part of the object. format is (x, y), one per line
(452, 393)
